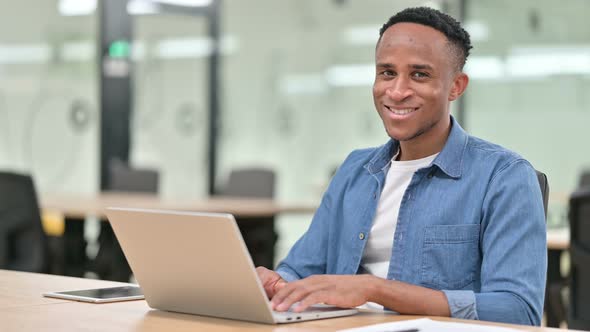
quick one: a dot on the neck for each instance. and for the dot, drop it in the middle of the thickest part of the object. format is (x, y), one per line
(426, 144)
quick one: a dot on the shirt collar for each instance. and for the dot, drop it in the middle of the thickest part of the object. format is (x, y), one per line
(449, 160)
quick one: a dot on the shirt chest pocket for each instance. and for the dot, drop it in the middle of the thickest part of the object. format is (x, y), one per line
(450, 256)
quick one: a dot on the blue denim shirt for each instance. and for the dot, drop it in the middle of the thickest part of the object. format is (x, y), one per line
(471, 224)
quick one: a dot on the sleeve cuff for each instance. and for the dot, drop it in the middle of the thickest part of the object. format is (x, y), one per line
(287, 276)
(461, 304)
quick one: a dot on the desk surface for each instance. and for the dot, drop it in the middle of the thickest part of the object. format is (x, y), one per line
(23, 308)
(81, 206)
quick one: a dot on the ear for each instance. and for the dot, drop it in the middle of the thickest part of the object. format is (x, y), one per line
(459, 85)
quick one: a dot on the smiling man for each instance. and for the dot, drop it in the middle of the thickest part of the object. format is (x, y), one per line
(434, 222)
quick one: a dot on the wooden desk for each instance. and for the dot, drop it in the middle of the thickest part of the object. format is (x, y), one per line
(22, 308)
(20, 289)
(81, 206)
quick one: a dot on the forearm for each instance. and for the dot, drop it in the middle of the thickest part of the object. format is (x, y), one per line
(408, 299)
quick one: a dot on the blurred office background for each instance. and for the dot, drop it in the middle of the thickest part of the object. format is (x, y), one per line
(294, 90)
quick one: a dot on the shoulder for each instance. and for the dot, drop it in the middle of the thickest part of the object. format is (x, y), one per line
(360, 157)
(498, 168)
(482, 153)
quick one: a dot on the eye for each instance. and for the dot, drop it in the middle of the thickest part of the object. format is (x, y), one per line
(420, 74)
(388, 73)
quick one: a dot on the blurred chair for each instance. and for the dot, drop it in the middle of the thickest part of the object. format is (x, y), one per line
(258, 233)
(124, 178)
(544, 184)
(556, 283)
(23, 244)
(584, 179)
(554, 305)
(250, 182)
(110, 262)
(579, 219)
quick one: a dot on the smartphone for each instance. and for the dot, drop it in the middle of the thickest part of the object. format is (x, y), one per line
(100, 295)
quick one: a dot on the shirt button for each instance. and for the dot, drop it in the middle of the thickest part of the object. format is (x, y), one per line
(361, 236)
(375, 195)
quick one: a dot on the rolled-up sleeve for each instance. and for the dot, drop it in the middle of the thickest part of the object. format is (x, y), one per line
(287, 274)
(462, 304)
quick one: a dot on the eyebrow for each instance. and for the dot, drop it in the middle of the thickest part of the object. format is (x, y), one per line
(422, 66)
(413, 66)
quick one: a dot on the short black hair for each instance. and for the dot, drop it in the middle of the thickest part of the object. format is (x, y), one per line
(450, 27)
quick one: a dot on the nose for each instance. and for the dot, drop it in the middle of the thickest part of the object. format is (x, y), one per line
(399, 90)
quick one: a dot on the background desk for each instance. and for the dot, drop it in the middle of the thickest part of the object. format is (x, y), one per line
(22, 308)
(558, 239)
(82, 206)
(255, 218)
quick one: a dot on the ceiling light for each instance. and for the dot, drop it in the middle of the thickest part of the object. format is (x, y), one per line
(83, 50)
(351, 75)
(187, 3)
(478, 31)
(142, 7)
(299, 84)
(361, 35)
(178, 48)
(76, 7)
(485, 67)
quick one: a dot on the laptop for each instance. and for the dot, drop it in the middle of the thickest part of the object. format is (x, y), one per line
(197, 263)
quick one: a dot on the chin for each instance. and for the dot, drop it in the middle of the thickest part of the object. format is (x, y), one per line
(401, 136)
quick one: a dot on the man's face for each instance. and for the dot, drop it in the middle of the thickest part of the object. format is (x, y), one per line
(414, 83)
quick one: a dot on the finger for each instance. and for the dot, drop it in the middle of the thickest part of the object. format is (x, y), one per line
(280, 284)
(262, 271)
(269, 280)
(279, 296)
(313, 298)
(273, 286)
(295, 296)
(261, 268)
(301, 290)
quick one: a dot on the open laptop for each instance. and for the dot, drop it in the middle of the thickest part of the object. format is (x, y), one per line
(197, 263)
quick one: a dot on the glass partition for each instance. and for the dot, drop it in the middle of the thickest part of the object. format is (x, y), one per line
(48, 96)
(170, 102)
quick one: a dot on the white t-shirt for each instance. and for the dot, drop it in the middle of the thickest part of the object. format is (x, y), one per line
(379, 245)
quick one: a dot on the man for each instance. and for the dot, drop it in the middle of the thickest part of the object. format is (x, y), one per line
(435, 222)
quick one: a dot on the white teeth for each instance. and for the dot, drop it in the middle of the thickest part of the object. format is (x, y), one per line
(402, 112)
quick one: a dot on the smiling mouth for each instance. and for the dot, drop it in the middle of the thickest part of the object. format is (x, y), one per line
(402, 111)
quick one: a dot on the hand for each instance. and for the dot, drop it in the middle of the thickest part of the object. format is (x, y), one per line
(345, 291)
(271, 281)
